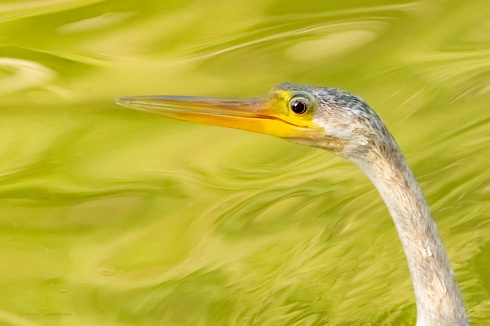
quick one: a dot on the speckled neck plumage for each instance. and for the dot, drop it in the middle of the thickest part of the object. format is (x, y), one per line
(439, 301)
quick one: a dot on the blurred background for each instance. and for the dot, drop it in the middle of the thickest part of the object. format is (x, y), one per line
(115, 217)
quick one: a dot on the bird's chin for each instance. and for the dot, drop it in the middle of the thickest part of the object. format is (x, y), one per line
(326, 142)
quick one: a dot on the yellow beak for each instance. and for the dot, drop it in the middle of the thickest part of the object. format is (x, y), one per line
(267, 116)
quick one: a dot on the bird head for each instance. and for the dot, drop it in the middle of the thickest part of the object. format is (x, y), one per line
(327, 118)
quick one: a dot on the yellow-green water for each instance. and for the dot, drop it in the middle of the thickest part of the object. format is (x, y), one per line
(115, 217)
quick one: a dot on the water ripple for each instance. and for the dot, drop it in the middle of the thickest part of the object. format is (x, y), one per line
(22, 9)
(19, 74)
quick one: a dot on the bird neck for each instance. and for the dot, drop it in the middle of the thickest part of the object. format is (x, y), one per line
(438, 299)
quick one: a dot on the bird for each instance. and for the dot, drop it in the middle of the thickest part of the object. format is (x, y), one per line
(344, 124)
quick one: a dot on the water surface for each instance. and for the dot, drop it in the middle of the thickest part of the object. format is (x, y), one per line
(112, 216)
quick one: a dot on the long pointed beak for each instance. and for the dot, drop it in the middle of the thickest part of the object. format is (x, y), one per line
(257, 115)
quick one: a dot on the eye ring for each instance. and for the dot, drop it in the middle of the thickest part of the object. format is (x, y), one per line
(299, 105)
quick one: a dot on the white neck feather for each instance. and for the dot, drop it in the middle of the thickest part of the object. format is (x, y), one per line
(438, 299)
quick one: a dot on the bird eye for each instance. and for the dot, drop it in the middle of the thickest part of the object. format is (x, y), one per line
(299, 105)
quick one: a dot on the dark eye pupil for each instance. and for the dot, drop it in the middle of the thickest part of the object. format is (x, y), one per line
(299, 106)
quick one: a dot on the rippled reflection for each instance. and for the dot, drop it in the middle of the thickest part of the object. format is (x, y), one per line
(110, 216)
(21, 74)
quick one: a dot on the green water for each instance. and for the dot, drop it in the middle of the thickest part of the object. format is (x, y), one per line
(115, 217)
